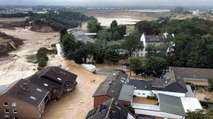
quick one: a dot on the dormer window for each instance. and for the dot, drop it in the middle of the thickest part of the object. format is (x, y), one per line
(13, 104)
(59, 79)
(6, 111)
(38, 89)
(46, 84)
(15, 111)
(32, 97)
(5, 104)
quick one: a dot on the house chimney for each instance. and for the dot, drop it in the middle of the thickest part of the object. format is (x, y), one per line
(25, 86)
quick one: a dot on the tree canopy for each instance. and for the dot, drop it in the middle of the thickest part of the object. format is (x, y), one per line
(94, 26)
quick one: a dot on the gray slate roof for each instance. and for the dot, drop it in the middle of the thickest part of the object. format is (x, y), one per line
(112, 85)
(171, 104)
(141, 84)
(193, 73)
(126, 93)
(27, 92)
(53, 73)
(170, 82)
(155, 39)
(110, 109)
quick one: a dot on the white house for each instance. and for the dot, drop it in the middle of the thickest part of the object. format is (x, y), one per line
(150, 40)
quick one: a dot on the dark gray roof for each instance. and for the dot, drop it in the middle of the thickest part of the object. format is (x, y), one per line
(170, 82)
(28, 92)
(112, 85)
(110, 109)
(40, 81)
(141, 84)
(171, 104)
(155, 38)
(119, 76)
(126, 93)
(111, 89)
(57, 75)
(193, 73)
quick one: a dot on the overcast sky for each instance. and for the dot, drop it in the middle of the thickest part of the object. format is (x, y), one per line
(110, 2)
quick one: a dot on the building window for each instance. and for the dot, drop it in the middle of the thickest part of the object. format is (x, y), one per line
(45, 84)
(14, 111)
(5, 104)
(6, 111)
(13, 104)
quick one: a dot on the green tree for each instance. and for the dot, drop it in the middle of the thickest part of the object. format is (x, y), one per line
(198, 114)
(131, 43)
(42, 62)
(112, 53)
(63, 32)
(135, 65)
(69, 44)
(93, 26)
(154, 65)
(116, 36)
(113, 24)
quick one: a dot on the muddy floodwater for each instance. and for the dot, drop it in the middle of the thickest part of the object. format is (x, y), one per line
(75, 105)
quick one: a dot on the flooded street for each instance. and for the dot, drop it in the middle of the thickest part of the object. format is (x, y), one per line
(75, 105)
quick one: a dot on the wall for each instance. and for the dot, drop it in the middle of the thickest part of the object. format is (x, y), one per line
(24, 110)
(145, 93)
(100, 99)
(169, 93)
(142, 93)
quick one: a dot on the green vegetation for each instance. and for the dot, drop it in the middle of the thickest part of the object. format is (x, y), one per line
(201, 114)
(152, 97)
(210, 82)
(193, 44)
(115, 32)
(203, 102)
(94, 26)
(132, 42)
(59, 20)
(14, 15)
(42, 58)
(112, 53)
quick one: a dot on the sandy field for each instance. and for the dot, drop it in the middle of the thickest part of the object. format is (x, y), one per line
(122, 17)
(12, 19)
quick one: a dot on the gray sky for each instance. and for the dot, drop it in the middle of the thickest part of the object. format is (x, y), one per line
(110, 2)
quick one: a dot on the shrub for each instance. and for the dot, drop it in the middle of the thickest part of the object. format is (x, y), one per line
(152, 97)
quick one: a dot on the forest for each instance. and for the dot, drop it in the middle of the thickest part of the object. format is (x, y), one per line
(61, 19)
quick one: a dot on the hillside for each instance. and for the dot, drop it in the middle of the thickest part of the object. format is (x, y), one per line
(58, 20)
(8, 43)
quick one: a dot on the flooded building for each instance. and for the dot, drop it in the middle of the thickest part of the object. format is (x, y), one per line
(28, 98)
(23, 100)
(115, 87)
(111, 109)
